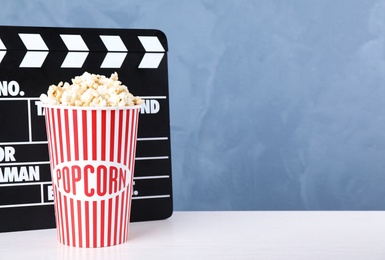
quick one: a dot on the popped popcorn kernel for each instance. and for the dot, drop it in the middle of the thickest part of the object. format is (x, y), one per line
(91, 90)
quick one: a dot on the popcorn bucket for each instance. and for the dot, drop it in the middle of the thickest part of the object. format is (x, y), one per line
(92, 157)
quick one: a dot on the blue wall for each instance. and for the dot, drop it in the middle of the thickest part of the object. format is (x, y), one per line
(274, 104)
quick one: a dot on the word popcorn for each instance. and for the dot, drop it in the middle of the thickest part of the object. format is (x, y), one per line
(91, 90)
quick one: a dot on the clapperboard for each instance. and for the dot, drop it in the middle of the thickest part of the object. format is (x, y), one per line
(31, 59)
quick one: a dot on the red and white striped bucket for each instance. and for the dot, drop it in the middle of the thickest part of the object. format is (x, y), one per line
(92, 157)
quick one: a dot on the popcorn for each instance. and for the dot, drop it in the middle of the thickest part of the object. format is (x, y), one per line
(91, 90)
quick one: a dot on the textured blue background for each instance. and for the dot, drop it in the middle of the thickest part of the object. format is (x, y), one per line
(274, 104)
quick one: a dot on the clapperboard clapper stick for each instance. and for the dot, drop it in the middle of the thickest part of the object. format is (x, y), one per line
(31, 59)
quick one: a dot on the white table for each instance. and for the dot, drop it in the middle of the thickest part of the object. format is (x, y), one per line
(225, 235)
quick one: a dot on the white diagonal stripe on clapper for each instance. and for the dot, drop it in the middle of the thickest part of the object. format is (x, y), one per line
(33, 42)
(113, 60)
(3, 50)
(115, 45)
(2, 46)
(74, 42)
(151, 60)
(78, 51)
(33, 59)
(37, 50)
(74, 60)
(151, 43)
(154, 52)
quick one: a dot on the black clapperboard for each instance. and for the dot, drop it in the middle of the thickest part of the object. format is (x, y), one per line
(31, 59)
